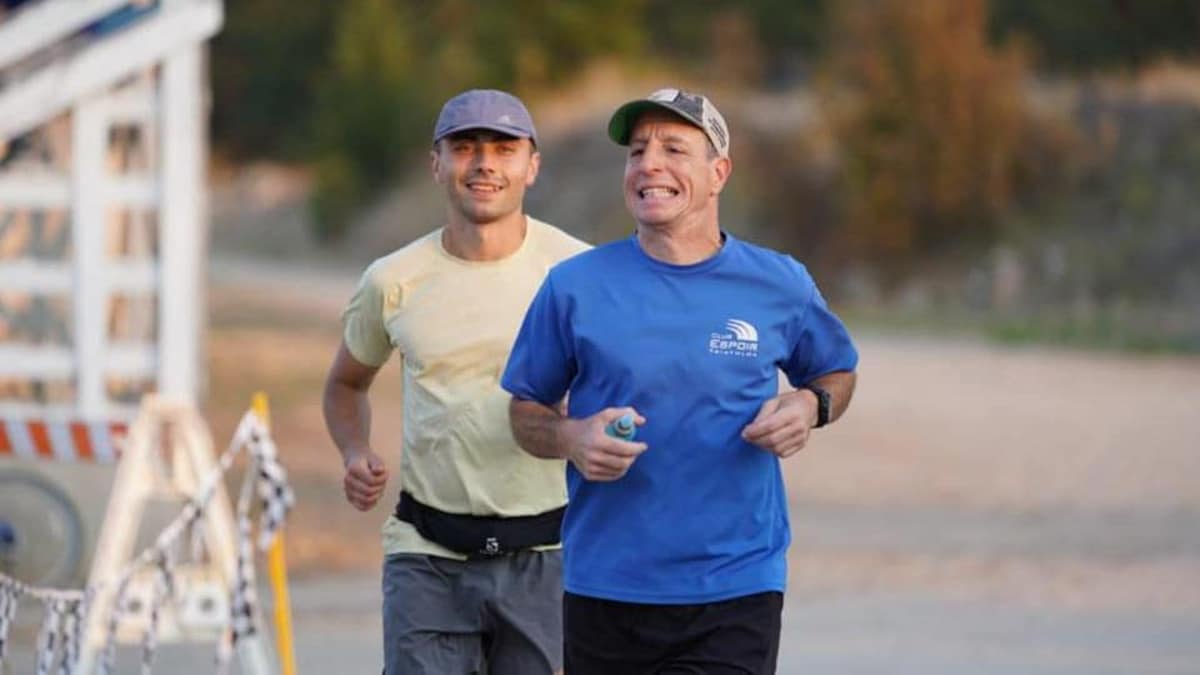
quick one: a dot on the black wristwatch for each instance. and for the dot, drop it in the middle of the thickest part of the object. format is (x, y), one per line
(824, 403)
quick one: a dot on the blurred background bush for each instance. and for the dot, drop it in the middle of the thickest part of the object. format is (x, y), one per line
(1021, 167)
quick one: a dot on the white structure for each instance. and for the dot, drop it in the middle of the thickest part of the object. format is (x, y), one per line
(118, 110)
(102, 242)
(201, 611)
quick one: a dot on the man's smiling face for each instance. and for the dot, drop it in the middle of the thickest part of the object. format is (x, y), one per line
(671, 173)
(485, 173)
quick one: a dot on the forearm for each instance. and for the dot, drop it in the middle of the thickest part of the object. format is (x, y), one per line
(538, 429)
(840, 386)
(347, 417)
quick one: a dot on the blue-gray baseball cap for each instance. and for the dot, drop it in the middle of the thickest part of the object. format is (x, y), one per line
(485, 109)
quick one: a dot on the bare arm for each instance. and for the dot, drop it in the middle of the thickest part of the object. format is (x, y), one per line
(840, 385)
(784, 423)
(538, 428)
(547, 433)
(348, 420)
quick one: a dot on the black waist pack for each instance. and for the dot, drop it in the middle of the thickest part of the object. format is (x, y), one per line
(481, 536)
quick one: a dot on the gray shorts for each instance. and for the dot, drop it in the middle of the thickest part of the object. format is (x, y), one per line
(500, 616)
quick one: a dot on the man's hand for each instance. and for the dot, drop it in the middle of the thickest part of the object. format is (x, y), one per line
(365, 479)
(783, 423)
(595, 454)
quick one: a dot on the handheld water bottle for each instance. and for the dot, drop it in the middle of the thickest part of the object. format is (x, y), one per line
(623, 428)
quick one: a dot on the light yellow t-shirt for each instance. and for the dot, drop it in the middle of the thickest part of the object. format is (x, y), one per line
(453, 321)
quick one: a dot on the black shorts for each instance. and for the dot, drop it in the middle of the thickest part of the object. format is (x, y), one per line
(603, 637)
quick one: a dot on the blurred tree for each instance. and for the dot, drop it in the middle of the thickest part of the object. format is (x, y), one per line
(529, 44)
(928, 117)
(265, 63)
(393, 64)
(931, 109)
(369, 105)
(787, 34)
(1084, 35)
(270, 57)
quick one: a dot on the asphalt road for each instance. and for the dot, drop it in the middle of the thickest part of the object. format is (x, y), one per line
(866, 633)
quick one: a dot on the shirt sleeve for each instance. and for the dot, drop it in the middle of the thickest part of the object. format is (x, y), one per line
(363, 326)
(542, 363)
(820, 343)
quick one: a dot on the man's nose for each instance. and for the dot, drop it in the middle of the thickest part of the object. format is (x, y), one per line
(484, 159)
(650, 160)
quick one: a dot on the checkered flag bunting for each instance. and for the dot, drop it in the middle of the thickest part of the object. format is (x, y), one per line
(10, 597)
(62, 630)
(275, 495)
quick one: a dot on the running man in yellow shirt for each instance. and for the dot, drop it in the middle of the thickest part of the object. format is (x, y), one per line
(472, 570)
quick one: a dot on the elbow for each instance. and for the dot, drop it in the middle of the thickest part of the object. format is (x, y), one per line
(517, 422)
(533, 427)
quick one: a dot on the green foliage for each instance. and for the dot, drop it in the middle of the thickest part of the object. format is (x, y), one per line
(526, 44)
(780, 35)
(340, 191)
(369, 108)
(351, 87)
(265, 63)
(1086, 35)
(1105, 329)
(273, 59)
(928, 118)
(390, 65)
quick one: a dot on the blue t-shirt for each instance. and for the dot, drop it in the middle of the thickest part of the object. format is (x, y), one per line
(701, 516)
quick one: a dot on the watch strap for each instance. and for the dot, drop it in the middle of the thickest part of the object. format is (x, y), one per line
(824, 403)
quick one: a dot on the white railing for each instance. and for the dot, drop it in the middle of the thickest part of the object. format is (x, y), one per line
(148, 75)
(41, 24)
(59, 363)
(36, 276)
(57, 86)
(42, 190)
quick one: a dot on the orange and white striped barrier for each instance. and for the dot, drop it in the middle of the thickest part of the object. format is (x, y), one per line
(64, 441)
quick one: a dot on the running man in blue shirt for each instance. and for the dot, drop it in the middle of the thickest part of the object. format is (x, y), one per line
(675, 542)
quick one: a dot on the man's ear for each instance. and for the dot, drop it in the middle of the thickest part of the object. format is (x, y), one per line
(721, 168)
(435, 162)
(535, 164)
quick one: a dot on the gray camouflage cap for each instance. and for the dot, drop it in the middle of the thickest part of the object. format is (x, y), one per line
(693, 108)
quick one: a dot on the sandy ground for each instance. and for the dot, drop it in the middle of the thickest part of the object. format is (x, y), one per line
(980, 509)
